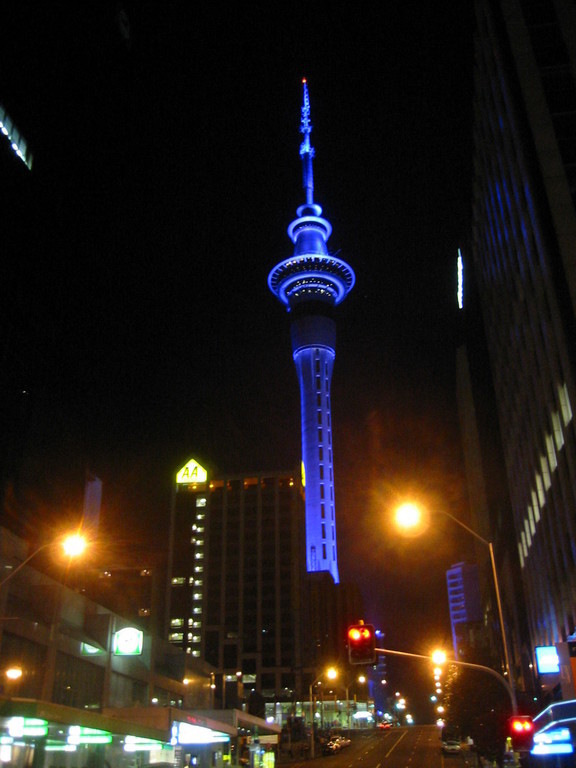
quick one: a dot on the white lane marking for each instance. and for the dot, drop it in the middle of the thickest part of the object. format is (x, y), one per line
(396, 744)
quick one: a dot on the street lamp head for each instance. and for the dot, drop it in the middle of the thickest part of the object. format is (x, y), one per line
(439, 656)
(331, 673)
(74, 545)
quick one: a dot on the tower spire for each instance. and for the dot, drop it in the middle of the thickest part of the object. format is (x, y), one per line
(310, 283)
(306, 149)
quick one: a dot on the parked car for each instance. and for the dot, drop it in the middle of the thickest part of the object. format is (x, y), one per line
(344, 741)
(451, 747)
(331, 747)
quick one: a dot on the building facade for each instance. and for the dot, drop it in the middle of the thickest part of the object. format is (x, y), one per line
(523, 252)
(310, 284)
(237, 578)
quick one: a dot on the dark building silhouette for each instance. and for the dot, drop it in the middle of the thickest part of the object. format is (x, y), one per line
(522, 252)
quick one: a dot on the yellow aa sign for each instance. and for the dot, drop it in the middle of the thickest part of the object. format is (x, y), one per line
(191, 472)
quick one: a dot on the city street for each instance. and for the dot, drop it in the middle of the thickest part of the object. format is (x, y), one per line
(417, 746)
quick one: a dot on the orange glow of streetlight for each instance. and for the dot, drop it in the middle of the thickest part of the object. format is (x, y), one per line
(439, 656)
(13, 673)
(74, 545)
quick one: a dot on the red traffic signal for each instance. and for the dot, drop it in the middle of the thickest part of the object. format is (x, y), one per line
(521, 729)
(361, 644)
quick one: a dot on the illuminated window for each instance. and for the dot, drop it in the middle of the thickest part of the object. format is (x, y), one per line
(176, 637)
(557, 429)
(199, 555)
(143, 611)
(565, 404)
(535, 507)
(531, 521)
(177, 622)
(540, 490)
(197, 609)
(545, 473)
(200, 501)
(198, 569)
(196, 653)
(178, 581)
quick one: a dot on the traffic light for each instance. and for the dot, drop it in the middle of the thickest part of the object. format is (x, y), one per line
(521, 729)
(361, 644)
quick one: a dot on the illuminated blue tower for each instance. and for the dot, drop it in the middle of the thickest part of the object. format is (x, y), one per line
(310, 284)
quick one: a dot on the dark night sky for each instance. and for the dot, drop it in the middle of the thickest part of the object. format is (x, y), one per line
(167, 171)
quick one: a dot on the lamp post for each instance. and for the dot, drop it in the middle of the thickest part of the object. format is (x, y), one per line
(331, 674)
(408, 515)
(73, 546)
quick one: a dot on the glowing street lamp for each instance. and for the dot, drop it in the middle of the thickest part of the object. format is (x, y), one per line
(331, 673)
(409, 515)
(72, 545)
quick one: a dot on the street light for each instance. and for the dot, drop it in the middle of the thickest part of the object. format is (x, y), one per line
(408, 515)
(331, 674)
(73, 546)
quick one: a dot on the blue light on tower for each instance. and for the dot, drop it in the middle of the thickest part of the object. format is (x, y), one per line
(310, 284)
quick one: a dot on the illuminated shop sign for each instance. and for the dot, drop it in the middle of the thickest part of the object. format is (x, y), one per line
(547, 660)
(90, 650)
(27, 726)
(191, 472)
(79, 734)
(186, 733)
(128, 642)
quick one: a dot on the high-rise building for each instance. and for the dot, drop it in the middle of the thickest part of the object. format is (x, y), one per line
(310, 283)
(523, 249)
(237, 577)
(464, 604)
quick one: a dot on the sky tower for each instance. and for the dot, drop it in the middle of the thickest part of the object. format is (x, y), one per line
(310, 284)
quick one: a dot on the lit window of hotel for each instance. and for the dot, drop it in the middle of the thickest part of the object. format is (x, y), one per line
(198, 569)
(199, 555)
(535, 507)
(178, 581)
(557, 429)
(194, 623)
(178, 622)
(552, 461)
(200, 516)
(540, 490)
(197, 596)
(200, 501)
(196, 653)
(176, 637)
(565, 404)
(531, 520)
(545, 473)
(197, 609)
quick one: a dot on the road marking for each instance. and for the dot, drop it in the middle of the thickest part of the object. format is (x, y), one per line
(396, 744)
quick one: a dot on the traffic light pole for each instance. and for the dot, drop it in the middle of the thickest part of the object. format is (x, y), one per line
(479, 667)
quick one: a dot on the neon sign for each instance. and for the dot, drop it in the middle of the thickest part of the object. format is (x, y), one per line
(191, 472)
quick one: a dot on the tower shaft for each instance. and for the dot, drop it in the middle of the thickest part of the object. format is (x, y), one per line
(310, 284)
